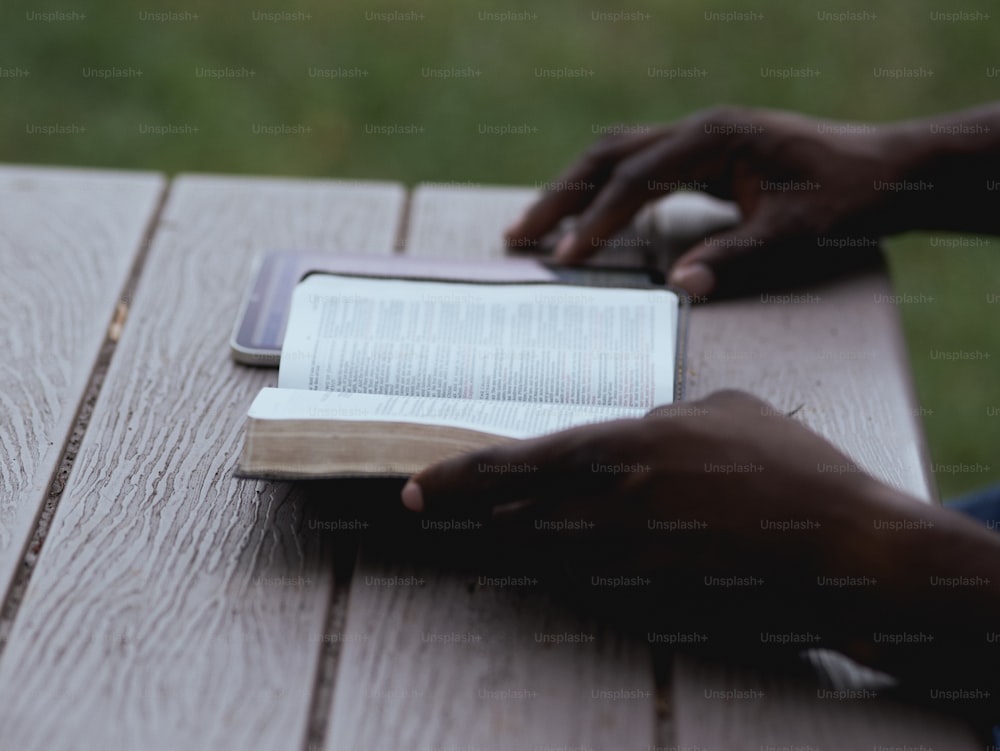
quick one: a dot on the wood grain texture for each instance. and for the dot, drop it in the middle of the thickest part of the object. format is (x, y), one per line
(446, 661)
(68, 239)
(835, 350)
(173, 606)
(468, 222)
(401, 686)
(462, 222)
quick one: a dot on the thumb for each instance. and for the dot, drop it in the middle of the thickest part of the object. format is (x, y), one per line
(699, 270)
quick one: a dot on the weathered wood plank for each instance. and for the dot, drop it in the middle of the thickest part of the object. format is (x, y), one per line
(453, 222)
(834, 349)
(448, 661)
(405, 685)
(68, 239)
(174, 607)
(449, 221)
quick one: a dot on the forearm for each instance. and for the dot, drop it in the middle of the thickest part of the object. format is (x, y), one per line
(946, 172)
(936, 610)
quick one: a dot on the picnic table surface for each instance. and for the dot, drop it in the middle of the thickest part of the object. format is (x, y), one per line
(152, 601)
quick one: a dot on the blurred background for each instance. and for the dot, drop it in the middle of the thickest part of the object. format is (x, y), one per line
(424, 92)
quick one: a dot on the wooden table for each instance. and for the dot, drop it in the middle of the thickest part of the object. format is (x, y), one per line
(152, 602)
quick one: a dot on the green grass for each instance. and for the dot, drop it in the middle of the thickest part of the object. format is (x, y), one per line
(394, 90)
(954, 345)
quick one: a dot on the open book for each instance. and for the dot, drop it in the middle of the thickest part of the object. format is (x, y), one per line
(386, 376)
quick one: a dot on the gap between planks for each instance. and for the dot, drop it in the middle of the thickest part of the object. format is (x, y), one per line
(328, 662)
(81, 421)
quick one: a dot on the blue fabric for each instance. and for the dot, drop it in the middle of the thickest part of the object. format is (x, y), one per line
(984, 506)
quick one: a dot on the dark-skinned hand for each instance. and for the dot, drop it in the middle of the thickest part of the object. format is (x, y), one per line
(815, 195)
(725, 518)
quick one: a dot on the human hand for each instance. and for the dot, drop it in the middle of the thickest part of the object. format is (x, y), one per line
(700, 510)
(728, 525)
(814, 195)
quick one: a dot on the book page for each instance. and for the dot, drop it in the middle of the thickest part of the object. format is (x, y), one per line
(511, 419)
(543, 343)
